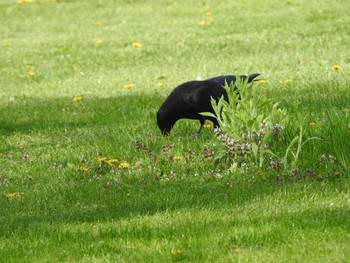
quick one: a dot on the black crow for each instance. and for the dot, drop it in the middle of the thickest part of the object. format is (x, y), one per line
(187, 100)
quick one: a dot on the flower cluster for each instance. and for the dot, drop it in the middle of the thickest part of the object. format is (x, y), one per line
(246, 148)
(207, 18)
(105, 165)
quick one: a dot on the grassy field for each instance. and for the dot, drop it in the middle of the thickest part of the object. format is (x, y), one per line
(85, 175)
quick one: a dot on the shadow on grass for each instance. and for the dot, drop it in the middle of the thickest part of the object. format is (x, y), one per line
(45, 115)
(89, 203)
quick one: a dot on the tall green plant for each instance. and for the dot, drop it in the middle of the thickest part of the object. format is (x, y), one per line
(248, 121)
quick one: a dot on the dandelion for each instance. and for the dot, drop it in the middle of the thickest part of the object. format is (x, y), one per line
(262, 81)
(288, 81)
(31, 74)
(179, 44)
(98, 23)
(201, 23)
(237, 250)
(7, 43)
(123, 165)
(13, 195)
(22, 2)
(207, 126)
(110, 162)
(178, 158)
(136, 44)
(101, 159)
(175, 252)
(77, 98)
(84, 169)
(128, 85)
(98, 42)
(210, 16)
(312, 124)
(336, 67)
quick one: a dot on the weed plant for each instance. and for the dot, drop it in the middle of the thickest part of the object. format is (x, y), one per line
(251, 129)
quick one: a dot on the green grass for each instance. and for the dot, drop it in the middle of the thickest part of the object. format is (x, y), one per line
(155, 207)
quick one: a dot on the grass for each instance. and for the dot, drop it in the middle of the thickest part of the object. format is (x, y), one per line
(169, 209)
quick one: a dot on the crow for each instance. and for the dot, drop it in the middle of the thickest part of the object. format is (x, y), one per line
(191, 98)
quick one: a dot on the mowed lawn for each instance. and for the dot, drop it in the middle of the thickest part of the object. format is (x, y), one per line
(85, 175)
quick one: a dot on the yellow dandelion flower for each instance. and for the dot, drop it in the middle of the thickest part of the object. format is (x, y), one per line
(110, 162)
(137, 44)
(210, 16)
(207, 126)
(31, 73)
(84, 169)
(312, 124)
(262, 81)
(22, 2)
(98, 42)
(201, 23)
(77, 98)
(177, 158)
(237, 250)
(123, 165)
(336, 67)
(7, 43)
(101, 159)
(288, 81)
(98, 23)
(13, 195)
(160, 84)
(179, 44)
(128, 85)
(175, 252)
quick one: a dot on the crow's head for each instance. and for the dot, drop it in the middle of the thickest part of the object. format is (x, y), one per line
(163, 122)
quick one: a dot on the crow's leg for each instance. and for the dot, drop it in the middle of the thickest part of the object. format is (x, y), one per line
(215, 123)
(202, 121)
